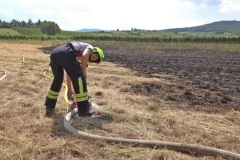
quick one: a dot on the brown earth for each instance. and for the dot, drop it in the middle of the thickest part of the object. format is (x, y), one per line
(198, 81)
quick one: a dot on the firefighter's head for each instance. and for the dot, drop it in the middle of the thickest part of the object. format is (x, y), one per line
(96, 56)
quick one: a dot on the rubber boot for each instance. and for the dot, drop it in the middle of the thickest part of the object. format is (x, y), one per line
(90, 104)
(84, 110)
(49, 112)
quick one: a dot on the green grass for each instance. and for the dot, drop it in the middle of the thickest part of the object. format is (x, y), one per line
(9, 31)
(123, 33)
(28, 31)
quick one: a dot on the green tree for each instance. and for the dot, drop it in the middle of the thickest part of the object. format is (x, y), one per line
(50, 28)
(5, 24)
(23, 24)
(14, 23)
(38, 24)
(29, 23)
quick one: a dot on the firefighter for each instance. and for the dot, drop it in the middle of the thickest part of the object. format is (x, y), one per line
(64, 58)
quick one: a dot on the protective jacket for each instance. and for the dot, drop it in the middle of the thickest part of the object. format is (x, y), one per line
(79, 47)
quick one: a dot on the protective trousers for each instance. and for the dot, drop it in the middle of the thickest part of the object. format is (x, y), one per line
(63, 58)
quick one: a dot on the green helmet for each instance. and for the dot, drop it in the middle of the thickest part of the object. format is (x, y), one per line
(100, 54)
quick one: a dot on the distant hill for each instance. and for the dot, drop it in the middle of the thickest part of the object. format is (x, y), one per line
(91, 30)
(216, 27)
(219, 27)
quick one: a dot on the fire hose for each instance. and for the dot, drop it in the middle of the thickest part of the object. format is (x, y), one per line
(191, 148)
(65, 93)
(5, 74)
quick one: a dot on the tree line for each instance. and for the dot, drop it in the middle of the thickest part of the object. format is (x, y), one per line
(46, 27)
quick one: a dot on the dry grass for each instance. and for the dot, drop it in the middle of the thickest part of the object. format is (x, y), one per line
(25, 132)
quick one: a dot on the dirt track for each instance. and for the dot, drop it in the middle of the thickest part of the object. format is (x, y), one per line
(201, 81)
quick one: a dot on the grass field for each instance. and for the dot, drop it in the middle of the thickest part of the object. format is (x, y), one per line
(8, 31)
(132, 105)
(121, 33)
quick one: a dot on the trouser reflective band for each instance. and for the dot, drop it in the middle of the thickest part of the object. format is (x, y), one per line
(82, 96)
(52, 95)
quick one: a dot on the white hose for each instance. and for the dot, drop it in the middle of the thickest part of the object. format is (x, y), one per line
(5, 74)
(152, 144)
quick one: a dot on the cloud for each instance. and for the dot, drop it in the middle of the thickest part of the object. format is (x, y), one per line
(123, 15)
(205, 2)
(230, 6)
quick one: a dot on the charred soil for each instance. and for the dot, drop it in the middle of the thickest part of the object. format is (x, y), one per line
(207, 82)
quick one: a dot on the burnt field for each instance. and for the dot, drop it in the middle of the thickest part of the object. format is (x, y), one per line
(206, 82)
(171, 96)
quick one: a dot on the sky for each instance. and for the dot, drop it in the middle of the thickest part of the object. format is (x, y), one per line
(75, 15)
